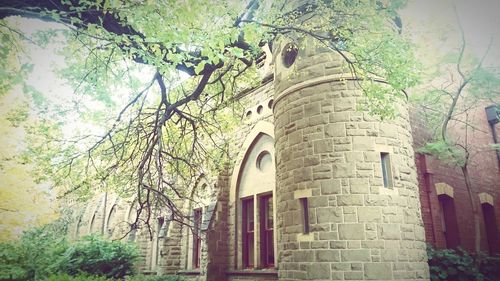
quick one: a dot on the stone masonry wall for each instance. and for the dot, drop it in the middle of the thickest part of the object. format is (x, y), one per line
(329, 152)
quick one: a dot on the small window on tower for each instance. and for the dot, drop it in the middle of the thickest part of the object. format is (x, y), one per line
(305, 215)
(385, 160)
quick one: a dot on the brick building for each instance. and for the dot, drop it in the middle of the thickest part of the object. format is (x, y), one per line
(318, 189)
(446, 205)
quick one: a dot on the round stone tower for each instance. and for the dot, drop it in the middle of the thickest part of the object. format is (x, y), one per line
(346, 189)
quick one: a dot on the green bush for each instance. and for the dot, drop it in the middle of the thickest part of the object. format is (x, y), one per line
(66, 277)
(95, 255)
(459, 265)
(32, 257)
(156, 278)
(490, 267)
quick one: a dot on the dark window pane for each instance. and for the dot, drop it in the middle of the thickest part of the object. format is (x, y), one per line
(248, 233)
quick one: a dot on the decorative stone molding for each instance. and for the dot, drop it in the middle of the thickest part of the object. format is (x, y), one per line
(486, 198)
(261, 127)
(444, 189)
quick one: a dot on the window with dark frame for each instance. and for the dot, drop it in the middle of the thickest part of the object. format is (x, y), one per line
(248, 232)
(305, 215)
(491, 228)
(386, 169)
(196, 237)
(449, 222)
(266, 231)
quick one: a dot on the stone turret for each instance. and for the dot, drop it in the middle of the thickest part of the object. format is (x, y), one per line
(346, 188)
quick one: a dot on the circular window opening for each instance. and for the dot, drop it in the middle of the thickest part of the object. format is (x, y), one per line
(289, 54)
(270, 103)
(249, 114)
(264, 161)
(259, 109)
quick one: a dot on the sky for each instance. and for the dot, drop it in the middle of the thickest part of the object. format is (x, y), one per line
(435, 24)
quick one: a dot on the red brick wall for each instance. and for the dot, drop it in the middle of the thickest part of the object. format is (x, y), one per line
(483, 169)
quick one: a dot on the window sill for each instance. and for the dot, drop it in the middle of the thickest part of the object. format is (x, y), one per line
(189, 272)
(250, 272)
(388, 190)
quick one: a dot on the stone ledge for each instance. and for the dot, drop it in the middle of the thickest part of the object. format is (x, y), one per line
(250, 272)
(189, 272)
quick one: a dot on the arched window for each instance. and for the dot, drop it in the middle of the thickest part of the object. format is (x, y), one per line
(202, 208)
(160, 233)
(111, 221)
(78, 228)
(131, 219)
(490, 223)
(255, 188)
(449, 223)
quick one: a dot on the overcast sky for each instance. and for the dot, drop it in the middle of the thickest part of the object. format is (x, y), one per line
(433, 20)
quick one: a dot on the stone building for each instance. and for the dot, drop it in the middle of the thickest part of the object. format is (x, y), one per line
(318, 190)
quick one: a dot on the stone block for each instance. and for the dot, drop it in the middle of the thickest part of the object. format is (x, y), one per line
(295, 138)
(355, 255)
(369, 214)
(301, 175)
(323, 146)
(361, 143)
(330, 187)
(302, 256)
(389, 255)
(318, 271)
(359, 186)
(338, 244)
(327, 256)
(388, 130)
(350, 200)
(354, 156)
(312, 109)
(378, 271)
(330, 214)
(353, 275)
(351, 231)
(339, 117)
(389, 231)
(343, 170)
(345, 104)
(335, 130)
(356, 132)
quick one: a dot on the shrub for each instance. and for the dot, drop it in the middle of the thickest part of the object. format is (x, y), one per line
(66, 277)
(459, 265)
(32, 257)
(449, 264)
(156, 278)
(95, 255)
(490, 267)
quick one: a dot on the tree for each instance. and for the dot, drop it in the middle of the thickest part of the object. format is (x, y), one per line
(464, 86)
(164, 131)
(25, 202)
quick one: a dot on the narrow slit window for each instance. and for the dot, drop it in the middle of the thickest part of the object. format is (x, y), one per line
(305, 215)
(386, 169)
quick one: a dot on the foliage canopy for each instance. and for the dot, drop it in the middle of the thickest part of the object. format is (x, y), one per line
(154, 136)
